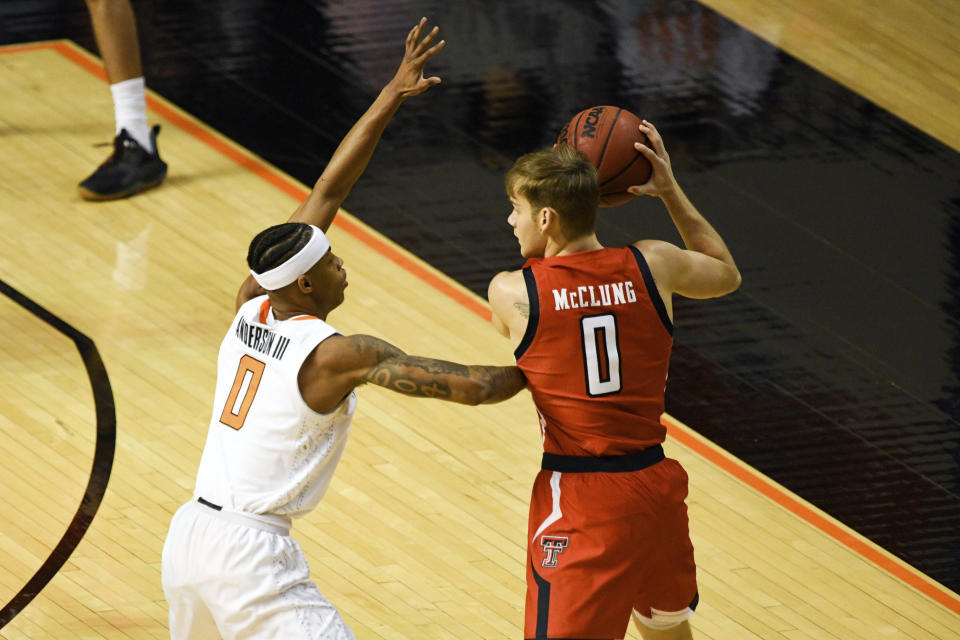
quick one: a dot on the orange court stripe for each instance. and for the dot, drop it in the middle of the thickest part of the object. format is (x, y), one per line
(763, 485)
(413, 266)
(676, 429)
(30, 46)
(77, 56)
(282, 182)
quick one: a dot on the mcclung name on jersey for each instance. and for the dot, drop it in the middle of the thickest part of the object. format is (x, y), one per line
(610, 294)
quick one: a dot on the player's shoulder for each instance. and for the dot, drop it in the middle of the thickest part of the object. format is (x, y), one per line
(505, 278)
(507, 292)
(654, 247)
(331, 354)
(506, 283)
(658, 254)
(664, 259)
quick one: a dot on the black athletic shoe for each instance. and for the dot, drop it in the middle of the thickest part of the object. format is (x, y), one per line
(130, 169)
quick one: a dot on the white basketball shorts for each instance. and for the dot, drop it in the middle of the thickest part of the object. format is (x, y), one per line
(226, 576)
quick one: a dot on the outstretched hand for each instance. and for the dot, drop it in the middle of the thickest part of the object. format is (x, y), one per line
(409, 80)
(661, 180)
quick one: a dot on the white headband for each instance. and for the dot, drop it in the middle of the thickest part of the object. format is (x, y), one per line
(288, 271)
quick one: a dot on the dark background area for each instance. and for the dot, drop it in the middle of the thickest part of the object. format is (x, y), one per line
(835, 369)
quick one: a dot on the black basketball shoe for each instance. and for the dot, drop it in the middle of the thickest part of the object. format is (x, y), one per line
(130, 169)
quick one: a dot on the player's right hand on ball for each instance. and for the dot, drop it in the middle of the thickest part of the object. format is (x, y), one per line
(661, 180)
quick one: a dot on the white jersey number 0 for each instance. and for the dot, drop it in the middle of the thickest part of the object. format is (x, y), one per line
(601, 355)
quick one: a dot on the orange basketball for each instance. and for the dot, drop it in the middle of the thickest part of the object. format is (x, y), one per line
(606, 135)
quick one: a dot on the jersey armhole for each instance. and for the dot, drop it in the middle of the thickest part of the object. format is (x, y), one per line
(534, 298)
(652, 290)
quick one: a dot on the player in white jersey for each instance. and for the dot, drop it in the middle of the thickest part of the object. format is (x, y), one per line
(283, 406)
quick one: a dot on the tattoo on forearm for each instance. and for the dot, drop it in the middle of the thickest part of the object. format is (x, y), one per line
(430, 378)
(523, 308)
(416, 376)
(410, 386)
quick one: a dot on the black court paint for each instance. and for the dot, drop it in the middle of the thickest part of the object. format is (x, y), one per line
(102, 455)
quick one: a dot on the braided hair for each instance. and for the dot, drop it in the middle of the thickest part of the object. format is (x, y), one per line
(276, 244)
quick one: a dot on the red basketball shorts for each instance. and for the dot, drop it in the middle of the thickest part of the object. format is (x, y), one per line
(602, 544)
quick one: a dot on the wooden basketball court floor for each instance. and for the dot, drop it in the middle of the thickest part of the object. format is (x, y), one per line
(421, 534)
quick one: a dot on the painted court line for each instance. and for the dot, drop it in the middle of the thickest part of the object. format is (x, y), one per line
(846, 536)
(275, 177)
(681, 433)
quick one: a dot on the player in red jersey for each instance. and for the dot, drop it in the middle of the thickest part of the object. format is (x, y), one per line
(592, 327)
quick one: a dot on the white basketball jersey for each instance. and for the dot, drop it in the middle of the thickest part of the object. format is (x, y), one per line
(267, 452)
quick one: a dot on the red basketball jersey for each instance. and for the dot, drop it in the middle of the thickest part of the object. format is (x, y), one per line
(596, 352)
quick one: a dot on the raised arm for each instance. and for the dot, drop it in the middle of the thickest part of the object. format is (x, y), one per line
(705, 268)
(355, 150)
(353, 154)
(341, 363)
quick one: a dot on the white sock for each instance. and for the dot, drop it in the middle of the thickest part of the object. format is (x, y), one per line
(130, 110)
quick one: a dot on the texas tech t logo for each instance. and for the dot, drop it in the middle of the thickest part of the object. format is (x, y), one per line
(552, 547)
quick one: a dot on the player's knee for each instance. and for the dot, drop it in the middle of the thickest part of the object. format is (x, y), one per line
(665, 624)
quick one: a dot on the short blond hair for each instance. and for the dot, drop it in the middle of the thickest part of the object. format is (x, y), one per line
(563, 179)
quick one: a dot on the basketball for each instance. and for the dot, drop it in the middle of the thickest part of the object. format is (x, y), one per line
(606, 136)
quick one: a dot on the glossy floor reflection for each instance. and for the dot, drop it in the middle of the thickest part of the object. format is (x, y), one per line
(835, 370)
